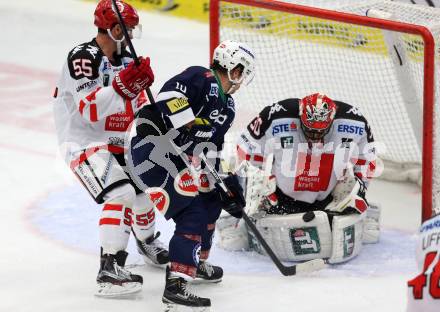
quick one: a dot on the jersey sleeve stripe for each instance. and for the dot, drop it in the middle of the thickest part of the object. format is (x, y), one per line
(163, 96)
(182, 118)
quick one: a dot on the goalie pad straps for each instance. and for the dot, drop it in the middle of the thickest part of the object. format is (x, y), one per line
(347, 237)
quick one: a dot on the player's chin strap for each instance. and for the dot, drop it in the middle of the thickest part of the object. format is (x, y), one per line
(234, 83)
(118, 42)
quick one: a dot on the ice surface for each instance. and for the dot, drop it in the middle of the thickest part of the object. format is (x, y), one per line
(48, 223)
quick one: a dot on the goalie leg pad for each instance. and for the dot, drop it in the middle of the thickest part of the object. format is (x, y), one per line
(372, 224)
(347, 237)
(232, 234)
(293, 239)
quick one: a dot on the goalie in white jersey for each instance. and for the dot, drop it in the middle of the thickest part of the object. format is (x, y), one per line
(320, 154)
(97, 96)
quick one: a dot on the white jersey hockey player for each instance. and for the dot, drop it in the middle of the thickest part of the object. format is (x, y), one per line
(321, 157)
(97, 95)
(424, 289)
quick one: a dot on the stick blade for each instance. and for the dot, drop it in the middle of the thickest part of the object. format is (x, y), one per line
(311, 266)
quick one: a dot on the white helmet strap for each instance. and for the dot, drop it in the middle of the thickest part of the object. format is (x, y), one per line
(118, 42)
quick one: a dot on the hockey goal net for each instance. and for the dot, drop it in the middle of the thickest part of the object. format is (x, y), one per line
(383, 63)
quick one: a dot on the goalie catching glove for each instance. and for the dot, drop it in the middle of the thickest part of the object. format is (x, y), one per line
(234, 202)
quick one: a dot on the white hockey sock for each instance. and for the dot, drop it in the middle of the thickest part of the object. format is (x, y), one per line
(116, 219)
(144, 217)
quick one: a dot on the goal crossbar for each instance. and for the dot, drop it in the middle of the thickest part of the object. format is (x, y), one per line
(429, 67)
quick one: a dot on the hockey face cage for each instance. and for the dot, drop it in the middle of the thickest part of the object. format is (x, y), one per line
(383, 63)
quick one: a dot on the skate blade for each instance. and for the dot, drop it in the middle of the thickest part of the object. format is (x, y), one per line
(199, 280)
(171, 307)
(124, 291)
(154, 264)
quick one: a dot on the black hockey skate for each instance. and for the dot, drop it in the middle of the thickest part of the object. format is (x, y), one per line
(153, 251)
(208, 273)
(115, 281)
(177, 296)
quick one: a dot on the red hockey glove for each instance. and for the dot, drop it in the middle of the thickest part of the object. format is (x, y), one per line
(130, 81)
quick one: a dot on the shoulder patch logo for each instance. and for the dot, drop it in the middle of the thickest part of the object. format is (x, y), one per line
(160, 198)
(76, 50)
(184, 183)
(92, 50)
(276, 107)
(354, 111)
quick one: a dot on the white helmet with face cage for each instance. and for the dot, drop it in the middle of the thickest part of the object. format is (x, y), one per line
(229, 54)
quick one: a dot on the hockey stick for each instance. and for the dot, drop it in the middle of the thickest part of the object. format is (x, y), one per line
(130, 44)
(307, 266)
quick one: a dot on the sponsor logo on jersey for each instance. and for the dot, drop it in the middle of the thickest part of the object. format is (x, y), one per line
(106, 66)
(346, 142)
(231, 104)
(87, 85)
(177, 104)
(344, 128)
(214, 90)
(216, 117)
(204, 183)
(348, 240)
(116, 141)
(430, 225)
(285, 127)
(305, 240)
(160, 198)
(287, 142)
(184, 183)
(432, 239)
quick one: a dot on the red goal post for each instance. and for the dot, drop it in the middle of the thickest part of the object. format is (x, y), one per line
(427, 94)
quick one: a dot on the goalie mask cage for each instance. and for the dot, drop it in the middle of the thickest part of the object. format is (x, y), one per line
(383, 63)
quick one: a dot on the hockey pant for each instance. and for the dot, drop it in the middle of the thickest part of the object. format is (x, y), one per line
(124, 205)
(156, 167)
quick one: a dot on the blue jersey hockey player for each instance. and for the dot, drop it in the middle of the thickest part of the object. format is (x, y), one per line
(192, 109)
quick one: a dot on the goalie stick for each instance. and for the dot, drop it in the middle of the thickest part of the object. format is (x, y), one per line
(307, 266)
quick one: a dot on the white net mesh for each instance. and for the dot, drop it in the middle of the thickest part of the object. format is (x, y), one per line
(299, 55)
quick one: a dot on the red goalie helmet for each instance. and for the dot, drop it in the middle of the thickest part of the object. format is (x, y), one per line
(317, 112)
(106, 18)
